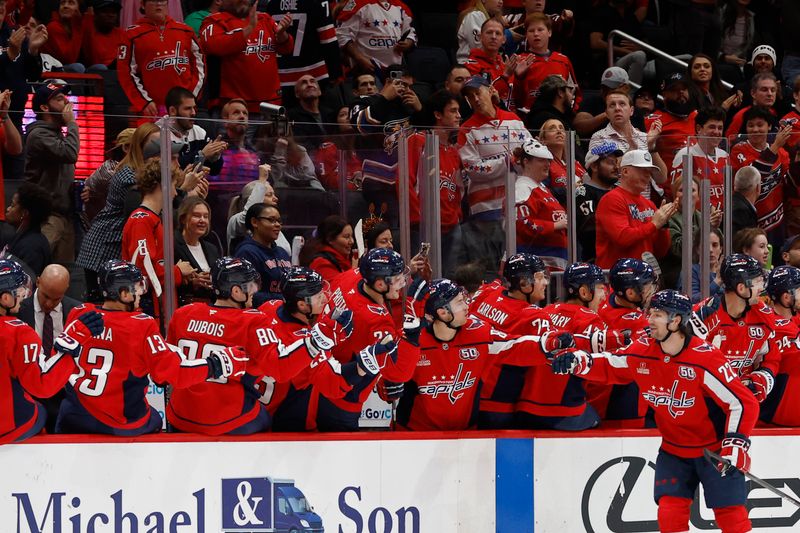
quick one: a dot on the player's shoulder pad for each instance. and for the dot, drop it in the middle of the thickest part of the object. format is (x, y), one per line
(633, 315)
(16, 322)
(474, 322)
(142, 316)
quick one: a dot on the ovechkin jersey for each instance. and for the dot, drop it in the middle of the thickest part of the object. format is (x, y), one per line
(696, 396)
(111, 383)
(442, 394)
(219, 406)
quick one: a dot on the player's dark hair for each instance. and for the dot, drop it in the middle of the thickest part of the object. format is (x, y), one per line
(36, 201)
(176, 96)
(253, 212)
(758, 112)
(709, 113)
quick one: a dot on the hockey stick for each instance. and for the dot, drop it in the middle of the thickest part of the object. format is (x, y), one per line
(714, 458)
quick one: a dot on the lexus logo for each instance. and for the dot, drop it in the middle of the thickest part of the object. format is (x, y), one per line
(636, 477)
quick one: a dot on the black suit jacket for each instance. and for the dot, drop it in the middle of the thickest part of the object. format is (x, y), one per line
(212, 253)
(26, 310)
(744, 214)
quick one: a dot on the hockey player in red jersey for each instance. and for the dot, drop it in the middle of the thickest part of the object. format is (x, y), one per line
(633, 283)
(742, 327)
(383, 274)
(157, 54)
(107, 395)
(455, 350)
(25, 370)
(242, 46)
(293, 403)
(680, 376)
(231, 406)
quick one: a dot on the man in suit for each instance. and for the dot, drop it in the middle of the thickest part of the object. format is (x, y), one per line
(46, 311)
(746, 188)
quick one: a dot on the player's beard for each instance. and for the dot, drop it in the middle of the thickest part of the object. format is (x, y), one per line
(682, 109)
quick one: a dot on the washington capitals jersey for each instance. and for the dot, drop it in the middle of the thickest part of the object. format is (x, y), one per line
(25, 371)
(154, 59)
(696, 397)
(293, 402)
(113, 367)
(780, 407)
(705, 166)
(526, 88)
(773, 169)
(749, 342)
(243, 66)
(675, 132)
(219, 406)
(316, 50)
(479, 63)
(442, 394)
(375, 27)
(371, 323)
(537, 213)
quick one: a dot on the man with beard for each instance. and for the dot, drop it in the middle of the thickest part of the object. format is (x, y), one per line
(556, 97)
(242, 46)
(602, 175)
(669, 129)
(764, 89)
(182, 105)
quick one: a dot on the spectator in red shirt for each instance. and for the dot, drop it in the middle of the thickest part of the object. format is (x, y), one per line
(675, 123)
(487, 61)
(102, 35)
(332, 247)
(629, 225)
(65, 36)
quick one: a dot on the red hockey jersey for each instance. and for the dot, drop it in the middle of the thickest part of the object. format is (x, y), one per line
(526, 88)
(154, 59)
(112, 380)
(780, 407)
(244, 66)
(677, 389)
(25, 371)
(445, 383)
(773, 169)
(537, 212)
(450, 181)
(218, 406)
(705, 166)
(480, 64)
(675, 132)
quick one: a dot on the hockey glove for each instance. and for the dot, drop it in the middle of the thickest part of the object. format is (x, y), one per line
(577, 363)
(88, 324)
(602, 340)
(390, 391)
(554, 341)
(412, 327)
(331, 330)
(64, 343)
(760, 382)
(227, 362)
(418, 290)
(734, 449)
(373, 358)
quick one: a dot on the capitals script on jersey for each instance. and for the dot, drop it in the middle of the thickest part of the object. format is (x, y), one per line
(677, 389)
(296, 399)
(219, 406)
(113, 368)
(375, 27)
(152, 60)
(445, 383)
(748, 342)
(780, 407)
(371, 323)
(705, 166)
(773, 169)
(316, 49)
(24, 371)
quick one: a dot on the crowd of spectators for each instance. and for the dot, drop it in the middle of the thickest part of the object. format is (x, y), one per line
(345, 80)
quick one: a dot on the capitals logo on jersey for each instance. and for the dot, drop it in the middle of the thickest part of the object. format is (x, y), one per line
(453, 387)
(175, 60)
(660, 397)
(261, 49)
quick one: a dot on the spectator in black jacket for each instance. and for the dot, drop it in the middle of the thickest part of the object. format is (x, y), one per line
(746, 188)
(309, 119)
(19, 61)
(194, 225)
(29, 208)
(556, 96)
(181, 104)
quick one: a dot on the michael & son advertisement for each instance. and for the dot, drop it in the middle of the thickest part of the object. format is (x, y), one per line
(397, 486)
(602, 485)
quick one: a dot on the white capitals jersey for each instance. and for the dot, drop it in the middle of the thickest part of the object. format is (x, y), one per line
(375, 26)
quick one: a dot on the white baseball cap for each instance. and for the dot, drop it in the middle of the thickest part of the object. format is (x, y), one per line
(640, 159)
(534, 148)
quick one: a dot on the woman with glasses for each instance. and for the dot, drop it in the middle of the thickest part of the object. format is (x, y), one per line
(260, 248)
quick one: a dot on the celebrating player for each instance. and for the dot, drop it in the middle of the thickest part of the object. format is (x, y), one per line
(679, 375)
(383, 274)
(743, 328)
(107, 395)
(25, 369)
(293, 404)
(455, 348)
(231, 406)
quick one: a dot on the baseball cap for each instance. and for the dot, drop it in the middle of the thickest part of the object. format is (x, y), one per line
(534, 148)
(102, 4)
(475, 82)
(153, 148)
(640, 159)
(613, 77)
(764, 49)
(604, 149)
(672, 78)
(789, 243)
(48, 90)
